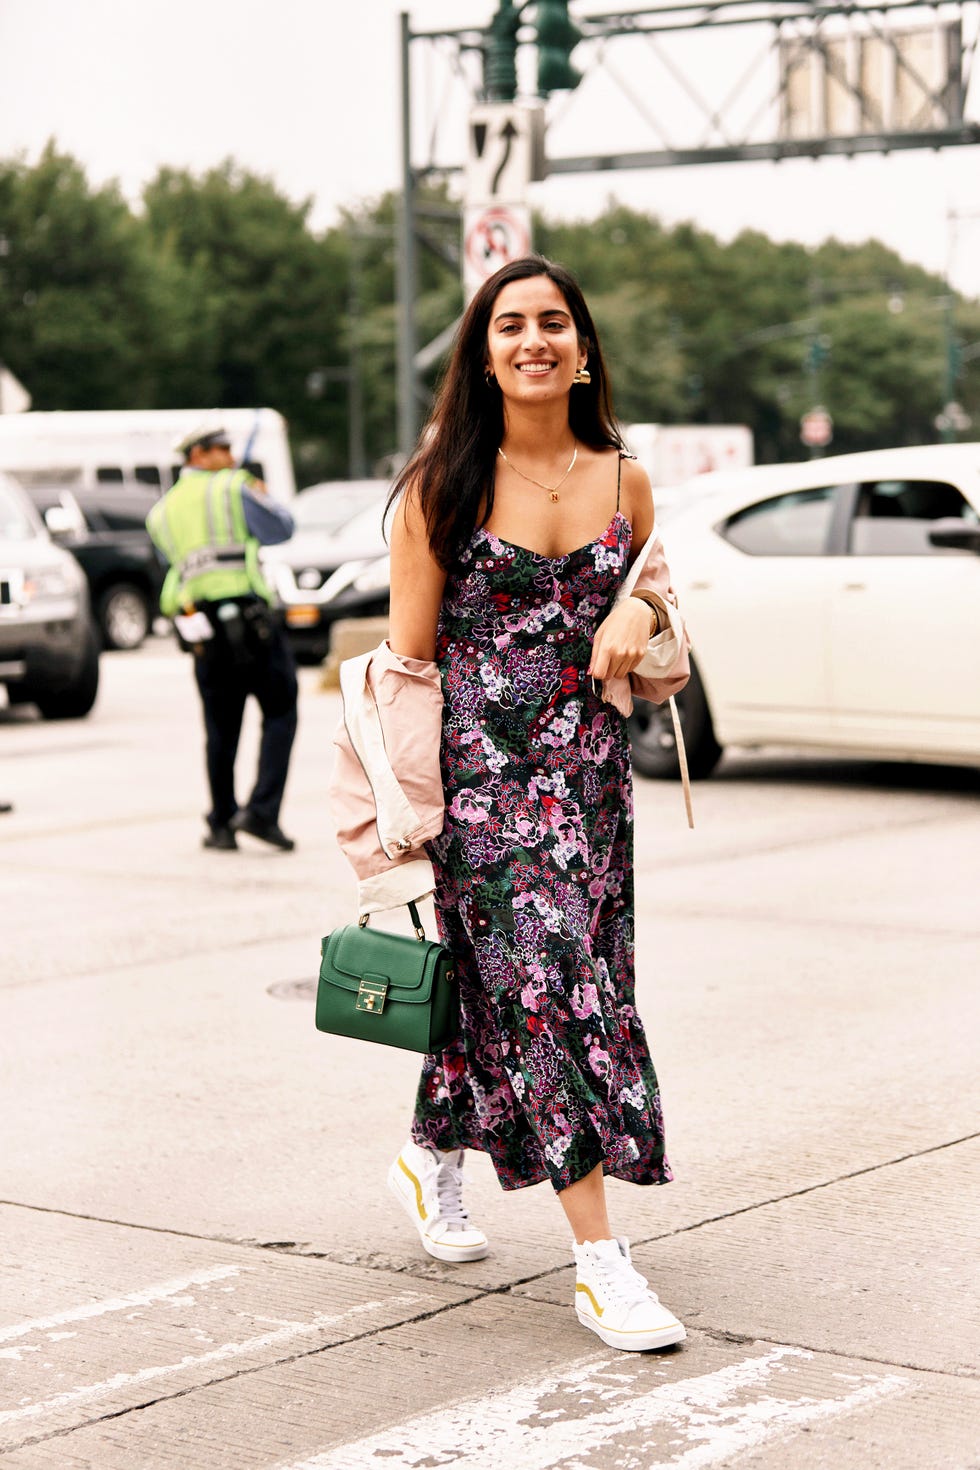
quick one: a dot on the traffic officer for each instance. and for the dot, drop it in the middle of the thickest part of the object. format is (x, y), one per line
(209, 528)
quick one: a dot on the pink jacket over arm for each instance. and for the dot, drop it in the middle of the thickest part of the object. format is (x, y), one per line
(666, 666)
(386, 788)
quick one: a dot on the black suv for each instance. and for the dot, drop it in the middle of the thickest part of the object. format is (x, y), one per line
(104, 527)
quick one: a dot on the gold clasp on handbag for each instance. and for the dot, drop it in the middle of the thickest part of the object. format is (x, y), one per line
(371, 996)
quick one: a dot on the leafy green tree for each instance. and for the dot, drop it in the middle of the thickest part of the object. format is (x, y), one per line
(78, 291)
(370, 236)
(219, 292)
(264, 296)
(643, 348)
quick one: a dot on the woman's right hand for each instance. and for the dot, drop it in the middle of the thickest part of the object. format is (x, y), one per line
(621, 640)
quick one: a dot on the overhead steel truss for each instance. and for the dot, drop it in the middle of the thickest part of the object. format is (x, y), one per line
(744, 124)
(752, 121)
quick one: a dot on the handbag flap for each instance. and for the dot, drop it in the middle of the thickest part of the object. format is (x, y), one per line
(408, 966)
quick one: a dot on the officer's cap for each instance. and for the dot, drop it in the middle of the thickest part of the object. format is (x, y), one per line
(208, 436)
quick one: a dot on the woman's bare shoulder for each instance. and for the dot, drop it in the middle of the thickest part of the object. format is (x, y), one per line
(635, 484)
(636, 499)
(634, 476)
(407, 509)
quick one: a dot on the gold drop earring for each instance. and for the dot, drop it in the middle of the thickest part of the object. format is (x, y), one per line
(582, 375)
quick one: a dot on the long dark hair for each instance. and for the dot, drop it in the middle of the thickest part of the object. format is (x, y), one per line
(452, 468)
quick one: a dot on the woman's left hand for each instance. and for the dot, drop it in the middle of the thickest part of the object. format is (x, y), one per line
(621, 640)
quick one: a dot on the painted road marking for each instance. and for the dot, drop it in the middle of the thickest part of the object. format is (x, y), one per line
(194, 1361)
(143, 1298)
(551, 1421)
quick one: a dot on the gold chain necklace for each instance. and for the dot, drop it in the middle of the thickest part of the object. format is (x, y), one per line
(551, 489)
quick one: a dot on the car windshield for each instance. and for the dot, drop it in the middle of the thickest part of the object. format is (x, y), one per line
(16, 520)
(671, 501)
(331, 507)
(363, 529)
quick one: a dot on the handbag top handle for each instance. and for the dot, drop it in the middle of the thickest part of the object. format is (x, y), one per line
(413, 914)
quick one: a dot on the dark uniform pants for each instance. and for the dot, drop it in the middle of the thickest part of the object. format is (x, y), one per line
(225, 680)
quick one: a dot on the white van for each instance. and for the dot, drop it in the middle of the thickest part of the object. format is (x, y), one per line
(119, 446)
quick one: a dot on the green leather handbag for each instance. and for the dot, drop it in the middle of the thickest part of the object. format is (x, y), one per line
(377, 986)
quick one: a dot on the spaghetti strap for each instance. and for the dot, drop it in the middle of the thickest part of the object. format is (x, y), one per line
(623, 454)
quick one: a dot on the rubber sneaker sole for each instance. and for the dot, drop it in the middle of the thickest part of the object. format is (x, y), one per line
(439, 1250)
(634, 1342)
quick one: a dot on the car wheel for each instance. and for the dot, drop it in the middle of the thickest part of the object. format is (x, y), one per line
(652, 735)
(73, 701)
(124, 615)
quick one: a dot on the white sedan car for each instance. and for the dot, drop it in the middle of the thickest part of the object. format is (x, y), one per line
(832, 605)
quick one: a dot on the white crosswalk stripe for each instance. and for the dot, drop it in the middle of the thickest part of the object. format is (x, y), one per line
(553, 1421)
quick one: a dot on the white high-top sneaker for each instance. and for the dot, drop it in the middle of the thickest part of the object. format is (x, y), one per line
(429, 1185)
(614, 1301)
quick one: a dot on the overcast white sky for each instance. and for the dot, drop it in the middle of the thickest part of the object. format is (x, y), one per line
(307, 91)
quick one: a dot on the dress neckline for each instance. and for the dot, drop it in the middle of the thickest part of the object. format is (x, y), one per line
(543, 556)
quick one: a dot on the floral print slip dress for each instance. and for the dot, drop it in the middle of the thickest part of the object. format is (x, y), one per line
(534, 877)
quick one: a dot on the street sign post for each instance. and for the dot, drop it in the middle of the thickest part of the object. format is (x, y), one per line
(492, 236)
(505, 152)
(952, 420)
(816, 428)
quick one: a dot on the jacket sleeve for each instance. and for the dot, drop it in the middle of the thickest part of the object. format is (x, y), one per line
(386, 787)
(654, 579)
(265, 519)
(666, 667)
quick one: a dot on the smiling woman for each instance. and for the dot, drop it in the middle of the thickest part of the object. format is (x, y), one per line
(515, 525)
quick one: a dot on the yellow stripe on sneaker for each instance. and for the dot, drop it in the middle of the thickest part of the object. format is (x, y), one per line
(595, 1305)
(418, 1188)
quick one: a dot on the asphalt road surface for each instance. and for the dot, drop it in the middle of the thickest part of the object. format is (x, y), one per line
(200, 1265)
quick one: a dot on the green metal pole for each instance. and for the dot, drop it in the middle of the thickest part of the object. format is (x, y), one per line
(948, 430)
(356, 465)
(815, 359)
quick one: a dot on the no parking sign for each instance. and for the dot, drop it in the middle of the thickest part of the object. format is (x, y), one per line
(816, 428)
(493, 236)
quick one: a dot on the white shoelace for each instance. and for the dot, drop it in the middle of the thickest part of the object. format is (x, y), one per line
(622, 1283)
(449, 1193)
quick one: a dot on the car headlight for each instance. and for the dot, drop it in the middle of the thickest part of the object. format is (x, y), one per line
(50, 582)
(374, 577)
(309, 579)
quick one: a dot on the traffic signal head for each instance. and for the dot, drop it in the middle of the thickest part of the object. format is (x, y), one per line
(500, 54)
(557, 37)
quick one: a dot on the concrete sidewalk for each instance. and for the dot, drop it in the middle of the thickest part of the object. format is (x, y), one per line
(199, 1262)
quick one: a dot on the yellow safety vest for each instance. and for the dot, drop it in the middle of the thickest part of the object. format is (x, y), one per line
(200, 527)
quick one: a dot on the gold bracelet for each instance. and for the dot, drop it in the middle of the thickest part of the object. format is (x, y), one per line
(654, 613)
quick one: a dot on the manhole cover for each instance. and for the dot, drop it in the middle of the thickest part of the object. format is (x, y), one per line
(293, 990)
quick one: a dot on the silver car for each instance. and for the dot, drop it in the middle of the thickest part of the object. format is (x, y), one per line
(325, 571)
(49, 651)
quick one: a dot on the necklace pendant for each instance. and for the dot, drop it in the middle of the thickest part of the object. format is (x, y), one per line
(554, 494)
